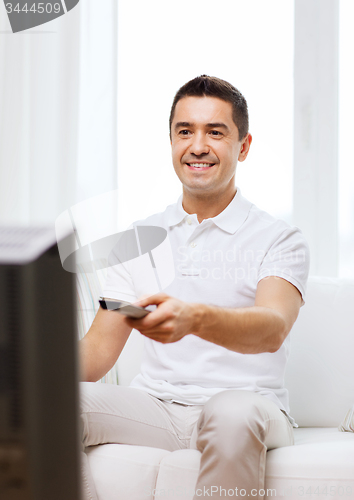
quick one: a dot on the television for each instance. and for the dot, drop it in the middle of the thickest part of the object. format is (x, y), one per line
(39, 418)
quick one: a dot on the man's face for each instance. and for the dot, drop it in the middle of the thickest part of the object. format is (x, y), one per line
(205, 145)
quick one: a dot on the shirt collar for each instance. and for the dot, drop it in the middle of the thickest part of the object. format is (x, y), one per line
(177, 213)
(229, 220)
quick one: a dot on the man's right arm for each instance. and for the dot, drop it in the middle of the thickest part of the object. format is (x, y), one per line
(102, 345)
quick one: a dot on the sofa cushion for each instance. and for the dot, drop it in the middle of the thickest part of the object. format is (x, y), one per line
(320, 465)
(178, 474)
(320, 371)
(124, 471)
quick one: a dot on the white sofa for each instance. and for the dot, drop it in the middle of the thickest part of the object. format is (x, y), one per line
(320, 379)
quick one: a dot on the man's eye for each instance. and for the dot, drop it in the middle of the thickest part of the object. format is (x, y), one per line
(184, 132)
(215, 133)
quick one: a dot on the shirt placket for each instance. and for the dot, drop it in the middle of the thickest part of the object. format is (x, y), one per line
(194, 247)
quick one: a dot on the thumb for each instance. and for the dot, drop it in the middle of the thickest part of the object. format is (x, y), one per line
(148, 300)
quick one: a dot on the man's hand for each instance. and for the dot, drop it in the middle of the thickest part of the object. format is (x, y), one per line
(171, 321)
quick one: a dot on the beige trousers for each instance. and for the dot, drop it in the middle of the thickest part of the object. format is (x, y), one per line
(233, 431)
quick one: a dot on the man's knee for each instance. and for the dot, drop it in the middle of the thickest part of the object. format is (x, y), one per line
(98, 397)
(231, 423)
(234, 410)
(96, 401)
(86, 395)
(89, 392)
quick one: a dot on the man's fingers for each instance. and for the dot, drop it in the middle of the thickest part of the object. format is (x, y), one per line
(158, 337)
(156, 299)
(151, 321)
(157, 327)
(164, 328)
(165, 324)
(159, 315)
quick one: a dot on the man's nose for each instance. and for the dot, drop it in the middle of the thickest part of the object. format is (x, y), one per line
(199, 144)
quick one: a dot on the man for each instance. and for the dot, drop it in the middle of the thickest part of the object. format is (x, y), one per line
(216, 345)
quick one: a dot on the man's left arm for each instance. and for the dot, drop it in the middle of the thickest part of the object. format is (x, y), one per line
(248, 330)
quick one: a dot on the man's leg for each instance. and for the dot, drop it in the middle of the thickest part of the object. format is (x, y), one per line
(233, 433)
(125, 415)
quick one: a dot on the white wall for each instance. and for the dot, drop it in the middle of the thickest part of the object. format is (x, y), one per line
(161, 46)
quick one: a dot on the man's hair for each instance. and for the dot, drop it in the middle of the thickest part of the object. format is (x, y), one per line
(210, 86)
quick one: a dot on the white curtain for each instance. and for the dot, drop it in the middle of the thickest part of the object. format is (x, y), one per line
(58, 136)
(58, 132)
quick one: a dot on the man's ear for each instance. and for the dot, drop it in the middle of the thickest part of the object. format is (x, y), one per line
(246, 144)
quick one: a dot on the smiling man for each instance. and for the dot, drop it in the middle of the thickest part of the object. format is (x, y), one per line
(205, 150)
(216, 346)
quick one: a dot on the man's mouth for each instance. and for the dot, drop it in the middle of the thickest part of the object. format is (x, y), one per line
(200, 165)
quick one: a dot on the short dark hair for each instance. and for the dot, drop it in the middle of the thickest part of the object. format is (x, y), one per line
(211, 86)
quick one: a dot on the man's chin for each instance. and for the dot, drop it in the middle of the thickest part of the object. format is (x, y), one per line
(199, 188)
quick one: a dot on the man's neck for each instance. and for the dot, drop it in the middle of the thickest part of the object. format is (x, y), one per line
(206, 206)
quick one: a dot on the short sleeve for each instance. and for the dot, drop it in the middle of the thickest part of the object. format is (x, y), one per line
(119, 283)
(288, 258)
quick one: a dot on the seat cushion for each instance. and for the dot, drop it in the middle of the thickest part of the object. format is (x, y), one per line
(123, 471)
(320, 466)
(178, 474)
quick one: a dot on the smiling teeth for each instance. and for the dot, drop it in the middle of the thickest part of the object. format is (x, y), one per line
(200, 165)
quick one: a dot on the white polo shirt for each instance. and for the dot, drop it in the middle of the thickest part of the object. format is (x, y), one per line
(218, 262)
